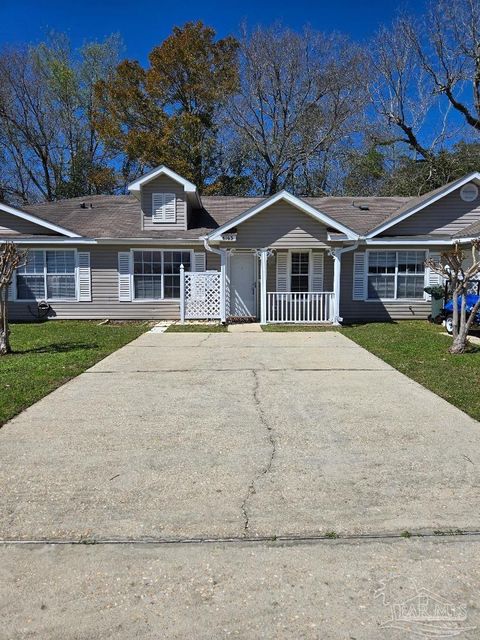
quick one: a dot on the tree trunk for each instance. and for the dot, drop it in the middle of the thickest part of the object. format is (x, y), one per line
(460, 343)
(4, 329)
(460, 338)
(455, 311)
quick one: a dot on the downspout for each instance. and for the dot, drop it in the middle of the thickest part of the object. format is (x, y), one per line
(337, 282)
(223, 276)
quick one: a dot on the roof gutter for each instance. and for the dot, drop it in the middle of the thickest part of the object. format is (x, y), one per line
(336, 254)
(49, 240)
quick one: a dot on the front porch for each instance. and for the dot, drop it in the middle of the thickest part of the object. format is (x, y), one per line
(299, 286)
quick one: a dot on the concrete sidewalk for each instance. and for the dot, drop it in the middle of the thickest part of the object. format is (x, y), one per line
(247, 436)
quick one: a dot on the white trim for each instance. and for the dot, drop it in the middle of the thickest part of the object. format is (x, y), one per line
(35, 220)
(45, 273)
(177, 242)
(162, 170)
(464, 240)
(50, 241)
(291, 199)
(162, 275)
(429, 200)
(394, 241)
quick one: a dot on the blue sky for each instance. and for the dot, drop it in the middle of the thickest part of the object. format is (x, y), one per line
(144, 23)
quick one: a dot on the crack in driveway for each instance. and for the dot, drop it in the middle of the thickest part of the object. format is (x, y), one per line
(267, 467)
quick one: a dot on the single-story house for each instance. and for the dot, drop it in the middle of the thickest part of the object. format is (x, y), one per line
(279, 259)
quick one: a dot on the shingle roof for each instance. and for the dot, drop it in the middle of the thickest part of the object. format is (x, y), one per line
(112, 217)
(472, 231)
(414, 202)
(119, 216)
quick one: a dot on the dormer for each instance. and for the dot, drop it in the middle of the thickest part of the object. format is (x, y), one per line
(166, 199)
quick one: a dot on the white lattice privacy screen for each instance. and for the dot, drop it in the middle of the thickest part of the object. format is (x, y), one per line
(202, 295)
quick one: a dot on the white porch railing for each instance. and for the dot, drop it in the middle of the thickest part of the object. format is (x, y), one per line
(301, 308)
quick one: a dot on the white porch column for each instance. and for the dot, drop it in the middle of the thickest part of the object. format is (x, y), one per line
(337, 268)
(182, 294)
(223, 286)
(263, 285)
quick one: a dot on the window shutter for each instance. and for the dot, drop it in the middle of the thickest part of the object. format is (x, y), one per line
(199, 261)
(124, 280)
(317, 270)
(169, 207)
(157, 207)
(12, 289)
(359, 291)
(432, 279)
(84, 277)
(282, 271)
(163, 207)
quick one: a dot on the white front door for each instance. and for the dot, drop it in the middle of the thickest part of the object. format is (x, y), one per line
(242, 285)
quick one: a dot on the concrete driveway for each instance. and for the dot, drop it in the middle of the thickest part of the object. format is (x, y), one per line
(254, 447)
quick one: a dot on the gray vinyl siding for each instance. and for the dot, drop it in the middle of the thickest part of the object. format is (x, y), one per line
(376, 311)
(212, 261)
(164, 184)
(447, 216)
(327, 272)
(105, 303)
(272, 273)
(281, 226)
(11, 225)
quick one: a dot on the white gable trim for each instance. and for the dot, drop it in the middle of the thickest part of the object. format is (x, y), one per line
(39, 221)
(294, 201)
(162, 170)
(475, 176)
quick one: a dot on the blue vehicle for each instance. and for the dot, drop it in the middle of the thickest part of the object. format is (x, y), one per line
(471, 300)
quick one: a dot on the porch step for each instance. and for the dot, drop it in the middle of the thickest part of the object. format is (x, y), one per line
(246, 327)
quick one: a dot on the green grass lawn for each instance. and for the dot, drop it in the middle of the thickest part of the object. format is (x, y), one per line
(197, 328)
(419, 350)
(48, 354)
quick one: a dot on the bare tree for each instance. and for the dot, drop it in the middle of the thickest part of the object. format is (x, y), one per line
(451, 268)
(448, 49)
(299, 97)
(10, 259)
(402, 93)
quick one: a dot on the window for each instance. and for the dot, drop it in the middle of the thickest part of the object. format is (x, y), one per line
(47, 275)
(156, 274)
(60, 275)
(163, 208)
(396, 275)
(299, 272)
(469, 192)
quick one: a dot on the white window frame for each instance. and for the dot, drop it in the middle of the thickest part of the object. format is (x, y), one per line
(162, 251)
(310, 268)
(395, 275)
(162, 219)
(75, 273)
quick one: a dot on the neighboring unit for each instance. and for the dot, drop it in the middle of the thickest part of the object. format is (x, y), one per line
(164, 252)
